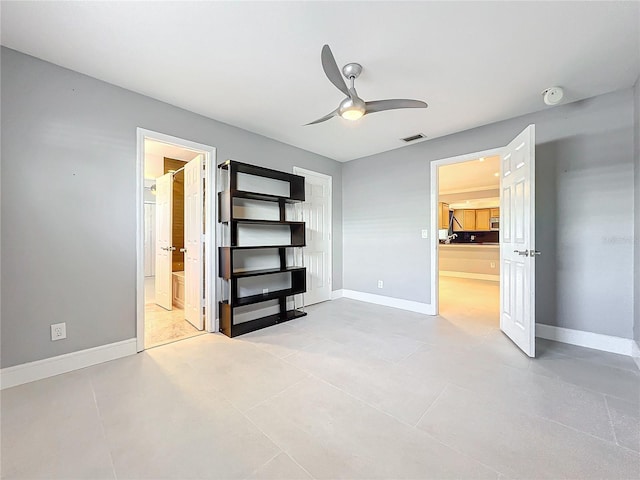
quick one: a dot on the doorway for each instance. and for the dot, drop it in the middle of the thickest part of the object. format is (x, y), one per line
(517, 236)
(468, 243)
(175, 264)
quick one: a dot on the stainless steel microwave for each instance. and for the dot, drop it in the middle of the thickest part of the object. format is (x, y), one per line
(494, 223)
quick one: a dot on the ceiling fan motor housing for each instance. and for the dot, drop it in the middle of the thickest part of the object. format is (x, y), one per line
(352, 70)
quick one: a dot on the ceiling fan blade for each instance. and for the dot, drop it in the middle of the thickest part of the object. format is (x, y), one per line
(382, 105)
(332, 71)
(324, 119)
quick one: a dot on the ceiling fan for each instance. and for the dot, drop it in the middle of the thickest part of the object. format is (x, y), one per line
(353, 107)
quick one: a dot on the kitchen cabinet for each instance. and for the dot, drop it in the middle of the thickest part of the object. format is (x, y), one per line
(474, 220)
(443, 215)
(469, 220)
(458, 220)
(466, 220)
(482, 219)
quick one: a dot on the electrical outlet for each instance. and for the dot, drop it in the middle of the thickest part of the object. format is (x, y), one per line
(380, 284)
(265, 291)
(58, 331)
(493, 264)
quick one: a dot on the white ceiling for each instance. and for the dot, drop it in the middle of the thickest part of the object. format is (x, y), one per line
(153, 147)
(471, 176)
(256, 65)
(155, 152)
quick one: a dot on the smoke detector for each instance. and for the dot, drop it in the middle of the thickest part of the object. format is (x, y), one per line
(553, 95)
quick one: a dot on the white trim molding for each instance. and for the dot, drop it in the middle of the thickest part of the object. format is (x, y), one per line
(475, 276)
(210, 260)
(635, 353)
(410, 305)
(49, 367)
(335, 294)
(597, 341)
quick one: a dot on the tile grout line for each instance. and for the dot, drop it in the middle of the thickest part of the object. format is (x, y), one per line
(263, 465)
(314, 376)
(431, 404)
(613, 429)
(415, 427)
(104, 433)
(280, 447)
(263, 401)
(556, 422)
(591, 362)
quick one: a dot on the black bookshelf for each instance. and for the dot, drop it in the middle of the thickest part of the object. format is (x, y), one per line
(296, 230)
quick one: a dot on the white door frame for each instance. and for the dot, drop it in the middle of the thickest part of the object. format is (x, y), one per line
(435, 267)
(209, 152)
(303, 171)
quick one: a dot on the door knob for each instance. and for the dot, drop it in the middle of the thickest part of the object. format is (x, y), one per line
(524, 253)
(534, 252)
(171, 248)
(183, 250)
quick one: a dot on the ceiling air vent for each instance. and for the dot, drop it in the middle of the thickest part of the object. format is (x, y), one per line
(412, 138)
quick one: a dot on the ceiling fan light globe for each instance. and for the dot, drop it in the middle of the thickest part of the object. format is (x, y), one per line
(352, 109)
(352, 115)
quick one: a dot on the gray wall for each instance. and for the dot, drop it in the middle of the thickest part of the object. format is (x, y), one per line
(68, 201)
(584, 207)
(636, 282)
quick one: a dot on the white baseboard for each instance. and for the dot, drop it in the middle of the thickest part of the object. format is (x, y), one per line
(597, 341)
(49, 367)
(635, 353)
(335, 294)
(410, 305)
(475, 276)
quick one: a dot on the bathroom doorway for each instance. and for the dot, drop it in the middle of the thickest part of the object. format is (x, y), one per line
(175, 262)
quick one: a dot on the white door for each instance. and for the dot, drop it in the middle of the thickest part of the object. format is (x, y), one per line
(193, 244)
(149, 239)
(517, 241)
(164, 243)
(316, 213)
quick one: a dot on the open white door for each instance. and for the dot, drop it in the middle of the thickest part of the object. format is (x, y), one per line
(517, 241)
(316, 213)
(193, 255)
(164, 242)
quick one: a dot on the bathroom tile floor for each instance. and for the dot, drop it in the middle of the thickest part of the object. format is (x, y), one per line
(353, 390)
(163, 326)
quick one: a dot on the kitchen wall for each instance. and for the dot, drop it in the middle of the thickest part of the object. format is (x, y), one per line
(458, 260)
(584, 206)
(461, 197)
(68, 201)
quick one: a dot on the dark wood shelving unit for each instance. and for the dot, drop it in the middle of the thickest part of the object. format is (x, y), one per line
(297, 274)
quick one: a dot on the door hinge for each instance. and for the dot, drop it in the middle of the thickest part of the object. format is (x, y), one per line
(203, 304)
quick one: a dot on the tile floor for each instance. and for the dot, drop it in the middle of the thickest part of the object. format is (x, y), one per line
(163, 326)
(353, 391)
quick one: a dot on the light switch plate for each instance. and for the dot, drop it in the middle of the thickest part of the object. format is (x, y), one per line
(425, 233)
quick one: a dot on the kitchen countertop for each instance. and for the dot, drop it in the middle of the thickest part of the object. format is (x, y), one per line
(472, 245)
